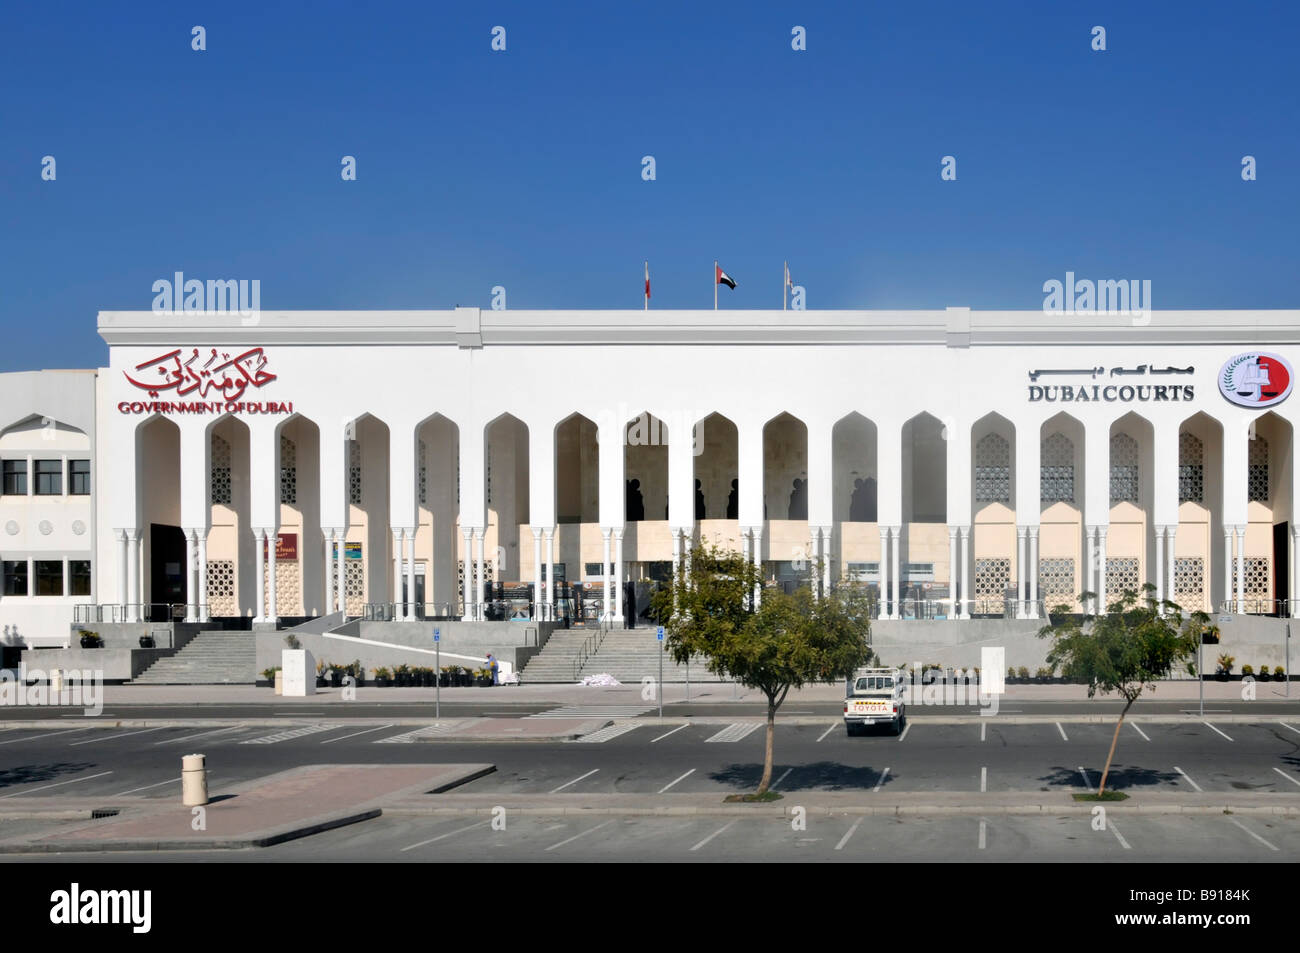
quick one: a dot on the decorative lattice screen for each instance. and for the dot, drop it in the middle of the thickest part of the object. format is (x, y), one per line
(288, 471)
(1191, 469)
(1121, 575)
(992, 576)
(1056, 582)
(1189, 583)
(1257, 471)
(1123, 469)
(993, 469)
(354, 472)
(1057, 477)
(220, 477)
(221, 588)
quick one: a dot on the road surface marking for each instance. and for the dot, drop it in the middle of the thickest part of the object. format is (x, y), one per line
(330, 741)
(428, 731)
(983, 829)
(148, 786)
(212, 731)
(1064, 736)
(1086, 783)
(290, 734)
(881, 780)
(827, 732)
(56, 784)
(734, 732)
(51, 734)
(1115, 830)
(845, 839)
(1252, 833)
(984, 780)
(1189, 780)
(108, 737)
(982, 727)
(1287, 776)
(448, 834)
(583, 834)
(1139, 730)
(673, 732)
(671, 783)
(713, 835)
(781, 778)
(574, 781)
(1212, 728)
(906, 728)
(607, 733)
(1282, 723)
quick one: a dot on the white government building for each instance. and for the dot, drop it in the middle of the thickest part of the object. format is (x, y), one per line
(963, 464)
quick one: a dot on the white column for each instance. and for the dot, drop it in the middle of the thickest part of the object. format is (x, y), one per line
(259, 541)
(1295, 573)
(412, 609)
(1171, 533)
(896, 572)
(758, 561)
(1160, 565)
(480, 577)
(604, 572)
(952, 572)
(885, 601)
(826, 560)
(205, 611)
(134, 593)
(968, 598)
(328, 535)
(1241, 568)
(467, 583)
(1228, 600)
(814, 561)
(122, 546)
(1101, 564)
(549, 533)
(190, 595)
(341, 574)
(618, 575)
(1022, 534)
(1033, 572)
(1090, 566)
(537, 573)
(397, 573)
(272, 608)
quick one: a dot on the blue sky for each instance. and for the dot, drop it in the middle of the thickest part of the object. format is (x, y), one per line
(523, 168)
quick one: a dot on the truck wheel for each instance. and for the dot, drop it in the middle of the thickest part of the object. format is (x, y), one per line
(851, 730)
(898, 726)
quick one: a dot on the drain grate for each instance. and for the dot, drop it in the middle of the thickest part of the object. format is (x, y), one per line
(103, 812)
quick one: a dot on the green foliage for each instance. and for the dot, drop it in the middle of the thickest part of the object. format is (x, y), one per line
(1247, 670)
(1226, 662)
(1278, 671)
(269, 673)
(291, 641)
(1022, 672)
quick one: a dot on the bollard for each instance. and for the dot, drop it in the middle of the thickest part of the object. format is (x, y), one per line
(56, 681)
(194, 780)
(279, 682)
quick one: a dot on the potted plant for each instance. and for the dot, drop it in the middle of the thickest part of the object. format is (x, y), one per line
(466, 677)
(91, 640)
(1224, 671)
(444, 676)
(1043, 675)
(1279, 673)
(482, 678)
(1263, 675)
(358, 672)
(1011, 675)
(402, 675)
(336, 675)
(1247, 671)
(383, 677)
(147, 642)
(1022, 673)
(321, 679)
(269, 675)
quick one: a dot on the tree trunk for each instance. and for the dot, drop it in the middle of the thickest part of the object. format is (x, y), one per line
(767, 759)
(1102, 789)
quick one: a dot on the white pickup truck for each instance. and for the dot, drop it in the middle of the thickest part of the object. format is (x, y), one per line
(875, 696)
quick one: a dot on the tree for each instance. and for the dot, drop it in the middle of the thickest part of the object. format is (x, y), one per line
(1125, 650)
(786, 642)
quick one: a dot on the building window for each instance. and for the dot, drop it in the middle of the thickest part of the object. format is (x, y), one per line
(1123, 469)
(79, 477)
(288, 472)
(993, 470)
(1191, 469)
(220, 480)
(49, 577)
(79, 577)
(49, 477)
(1057, 478)
(1257, 472)
(354, 472)
(15, 573)
(15, 478)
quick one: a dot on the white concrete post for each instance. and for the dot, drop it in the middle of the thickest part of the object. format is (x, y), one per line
(1227, 568)
(1160, 565)
(952, 572)
(618, 575)
(467, 583)
(259, 541)
(340, 570)
(1033, 572)
(897, 574)
(205, 610)
(1101, 564)
(1171, 562)
(134, 592)
(826, 560)
(412, 608)
(272, 606)
(1090, 566)
(397, 573)
(758, 561)
(1022, 535)
(537, 572)
(480, 577)
(190, 595)
(121, 536)
(549, 533)
(968, 599)
(604, 572)
(1241, 568)
(884, 573)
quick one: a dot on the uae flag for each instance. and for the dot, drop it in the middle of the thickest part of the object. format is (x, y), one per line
(724, 278)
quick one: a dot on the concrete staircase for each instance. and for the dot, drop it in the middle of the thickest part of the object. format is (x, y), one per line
(210, 658)
(627, 654)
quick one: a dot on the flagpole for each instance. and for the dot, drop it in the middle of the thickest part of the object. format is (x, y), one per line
(785, 283)
(715, 284)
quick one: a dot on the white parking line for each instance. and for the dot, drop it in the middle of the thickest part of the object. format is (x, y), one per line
(984, 780)
(906, 728)
(1064, 736)
(983, 829)
(881, 780)
(713, 835)
(1252, 833)
(56, 784)
(1189, 780)
(148, 786)
(673, 732)
(111, 737)
(583, 834)
(1086, 783)
(845, 839)
(1139, 730)
(211, 731)
(329, 741)
(1287, 776)
(1115, 830)
(671, 783)
(983, 725)
(448, 834)
(51, 734)
(574, 781)
(1212, 728)
(1291, 727)
(827, 732)
(780, 779)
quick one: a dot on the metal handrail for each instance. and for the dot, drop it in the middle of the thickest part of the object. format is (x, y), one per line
(1254, 606)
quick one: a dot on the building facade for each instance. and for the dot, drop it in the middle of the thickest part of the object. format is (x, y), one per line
(428, 464)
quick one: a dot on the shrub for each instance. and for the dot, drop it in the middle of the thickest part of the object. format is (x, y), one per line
(292, 642)
(1278, 671)
(1247, 670)
(382, 674)
(269, 673)
(1226, 662)
(1022, 672)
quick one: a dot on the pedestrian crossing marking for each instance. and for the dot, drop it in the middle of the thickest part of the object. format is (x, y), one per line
(594, 711)
(734, 732)
(408, 737)
(288, 734)
(607, 734)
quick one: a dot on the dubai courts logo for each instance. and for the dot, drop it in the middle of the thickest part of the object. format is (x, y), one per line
(1255, 379)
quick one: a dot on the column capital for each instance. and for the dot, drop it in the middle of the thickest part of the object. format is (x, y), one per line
(1033, 530)
(1022, 531)
(965, 531)
(536, 531)
(618, 532)
(953, 531)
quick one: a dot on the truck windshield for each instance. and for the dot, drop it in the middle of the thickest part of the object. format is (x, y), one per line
(873, 683)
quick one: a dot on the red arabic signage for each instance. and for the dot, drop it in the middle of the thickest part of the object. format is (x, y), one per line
(286, 547)
(219, 382)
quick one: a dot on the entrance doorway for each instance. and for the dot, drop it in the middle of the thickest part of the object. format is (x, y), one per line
(1281, 569)
(167, 582)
